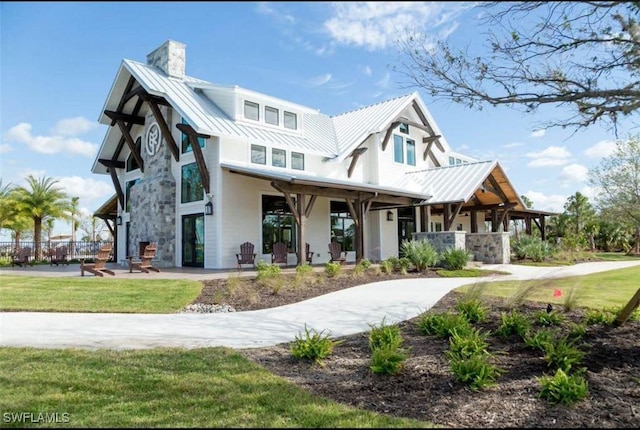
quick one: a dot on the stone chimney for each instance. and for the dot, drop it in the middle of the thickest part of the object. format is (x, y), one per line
(170, 58)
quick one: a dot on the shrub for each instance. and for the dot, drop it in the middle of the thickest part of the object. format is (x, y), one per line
(563, 388)
(601, 316)
(403, 265)
(313, 345)
(365, 264)
(562, 354)
(577, 331)
(513, 323)
(532, 247)
(332, 269)
(304, 269)
(386, 266)
(421, 254)
(384, 336)
(472, 309)
(443, 325)
(545, 319)
(455, 259)
(476, 372)
(267, 271)
(387, 360)
(468, 344)
(539, 339)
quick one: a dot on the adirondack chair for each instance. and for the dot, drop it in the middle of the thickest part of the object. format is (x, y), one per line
(22, 257)
(337, 255)
(309, 254)
(98, 268)
(59, 256)
(279, 254)
(246, 255)
(144, 264)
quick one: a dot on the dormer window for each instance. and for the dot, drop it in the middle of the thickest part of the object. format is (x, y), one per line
(403, 128)
(271, 115)
(251, 110)
(290, 120)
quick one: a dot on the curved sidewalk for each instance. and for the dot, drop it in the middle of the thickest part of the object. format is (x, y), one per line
(342, 313)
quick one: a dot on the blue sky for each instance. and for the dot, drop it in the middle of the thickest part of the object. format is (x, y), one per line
(59, 60)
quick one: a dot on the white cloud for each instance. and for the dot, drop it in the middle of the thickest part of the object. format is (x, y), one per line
(552, 156)
(547, 202)
(513, 145)
(49, 144)
(85, 189)
(601, 149)
(384, 82)
(367, 70)
(266, 9)
(538, 133)
(73, 126)
(376, 25)
(5, 147)
(320, 80)
(573, 173)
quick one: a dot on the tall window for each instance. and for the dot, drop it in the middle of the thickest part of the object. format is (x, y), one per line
(132, 164)
(258, 154)
(411, 152)
(278, 157)
(192, 189)
(127, 194)
(278, 224)
(251, 110)
(343, 228)
(186, 144)
(271, 115)
(290, 120)
(297, 160)
(398, 149)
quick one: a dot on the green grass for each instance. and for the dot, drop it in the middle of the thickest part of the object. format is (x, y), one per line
(202, 388)
(468, 273)
(34, 293)
(615, 256)
(598, 290)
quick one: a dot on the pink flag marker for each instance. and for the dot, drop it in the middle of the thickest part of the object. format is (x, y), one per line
(557, 293)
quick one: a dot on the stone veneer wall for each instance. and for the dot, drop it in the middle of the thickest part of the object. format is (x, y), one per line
(442, 240)
(493, 248)
(153, 201)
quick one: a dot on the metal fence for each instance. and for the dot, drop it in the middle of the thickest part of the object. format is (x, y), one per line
(76, 250)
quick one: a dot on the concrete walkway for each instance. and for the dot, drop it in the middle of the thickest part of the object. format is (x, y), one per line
(341, 313)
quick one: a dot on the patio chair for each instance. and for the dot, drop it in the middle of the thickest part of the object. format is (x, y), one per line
(246, 255)
(144, 264)
(337, 255)
(59, 256)
(309, 254)
(22, 257)
(98, 268)
(279, 253)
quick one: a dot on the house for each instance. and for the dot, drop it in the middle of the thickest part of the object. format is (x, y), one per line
(200, 168)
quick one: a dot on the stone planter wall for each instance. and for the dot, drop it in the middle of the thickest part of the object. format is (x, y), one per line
(491, 248)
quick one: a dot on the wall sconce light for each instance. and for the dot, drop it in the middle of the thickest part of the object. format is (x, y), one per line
(389, 216)
(118, 220)
(208, 208)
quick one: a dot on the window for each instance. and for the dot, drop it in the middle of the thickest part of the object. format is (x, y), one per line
(278, 157)
(436, 226)
(411, 152)
(132, 164)
(404, 128)
(127, 194)
(251, 110)
(186, 144)
(297, 160)
(343, 228)
(398, 149)
(452, 161)
(192, 189)
(458, 161)
(258, 154)
(271, 115)
(277, 224)
(290, 120)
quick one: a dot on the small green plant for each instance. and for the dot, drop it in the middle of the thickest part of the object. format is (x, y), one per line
(313, 345)
(455, 259)
(513, 323)
(599, 316)
(468, 344)
(472, 309)
(562, 354)
(395, 263)
(421, 254)
(403, 265)
(332, 269)
(533, 248)
(365, 264)
(538, 339)
(476, 372)
(304, 269)
(384, 336)
(443, 325)
(388, 360)
(563, 388)
(386, 266)
(267, 271)
(577, 331)
(546, 319)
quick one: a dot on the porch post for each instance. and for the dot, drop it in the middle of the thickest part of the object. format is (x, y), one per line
(474, 221)
(302, 228)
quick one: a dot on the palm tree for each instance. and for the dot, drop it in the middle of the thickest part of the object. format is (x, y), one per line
(7, 205)
(579, 210)
(39, 200)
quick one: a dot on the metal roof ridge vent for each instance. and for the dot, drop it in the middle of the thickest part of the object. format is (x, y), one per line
(170, 58)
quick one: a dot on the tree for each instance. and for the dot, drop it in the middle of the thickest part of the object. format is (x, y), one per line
(39, 200)
(7, 205)
(579, 210)
(584, 55)
(617, 178)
